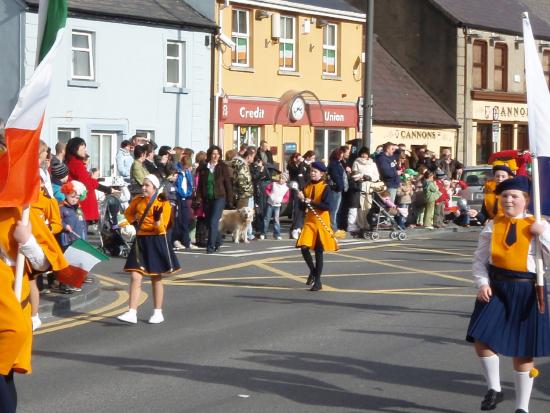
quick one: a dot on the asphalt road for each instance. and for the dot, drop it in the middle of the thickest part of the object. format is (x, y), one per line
(242, 334)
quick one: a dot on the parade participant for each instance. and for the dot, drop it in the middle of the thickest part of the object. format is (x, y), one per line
(491, 206)
(47, 209)
(150, 254)
(506, 319)
(37, 244)
(316, 234)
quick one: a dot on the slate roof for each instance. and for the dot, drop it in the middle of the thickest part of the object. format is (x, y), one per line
(331, 4)
(503, 16)
(169, 12)
(399, 99)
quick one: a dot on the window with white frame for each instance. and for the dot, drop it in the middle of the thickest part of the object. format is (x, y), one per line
(325, 141)
(330, 49)
(83, 55)
(147, 134)
(249, 135)
(287, 44)
(241, 37)
(102, 151)
(64, 134)
(175, 63)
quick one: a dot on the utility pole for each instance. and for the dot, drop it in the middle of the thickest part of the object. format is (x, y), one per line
(367, 91)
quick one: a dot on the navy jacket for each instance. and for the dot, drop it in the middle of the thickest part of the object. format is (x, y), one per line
(387, 166)
(336, 173)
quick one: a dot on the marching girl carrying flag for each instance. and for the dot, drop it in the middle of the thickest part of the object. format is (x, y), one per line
(151, 255)
(511, 312)
(316, 233)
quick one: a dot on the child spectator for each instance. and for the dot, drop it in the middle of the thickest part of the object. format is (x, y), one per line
(404, 198)
(60, 175)
(439, 211)
(277, 194)
(418, 203)
(170, 191)
(431, 194)
(74, 224)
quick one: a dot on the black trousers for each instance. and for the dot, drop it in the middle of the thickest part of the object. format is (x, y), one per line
(8, 395)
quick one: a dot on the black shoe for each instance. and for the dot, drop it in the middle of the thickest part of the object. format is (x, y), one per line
(209, 251)
(317, 286)
(491, 399)
(520, 411)
(310, 279)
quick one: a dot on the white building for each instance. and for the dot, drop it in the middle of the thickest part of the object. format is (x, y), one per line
(125, 67)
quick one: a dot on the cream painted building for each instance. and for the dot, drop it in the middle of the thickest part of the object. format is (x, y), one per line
(289, 73)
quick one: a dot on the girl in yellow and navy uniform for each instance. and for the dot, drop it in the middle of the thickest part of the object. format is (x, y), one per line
(506, 319)
(151, 254)
(491, 206)
(316, 236)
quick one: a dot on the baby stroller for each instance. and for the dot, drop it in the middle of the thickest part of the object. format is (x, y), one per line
(116, 234)
(380, 216)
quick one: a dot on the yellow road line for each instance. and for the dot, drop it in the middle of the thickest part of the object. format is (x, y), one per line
(437, 251)
(401, 267)
(253, 287)
(290, 276)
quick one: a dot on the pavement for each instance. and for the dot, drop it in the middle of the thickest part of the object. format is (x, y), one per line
(54, 305)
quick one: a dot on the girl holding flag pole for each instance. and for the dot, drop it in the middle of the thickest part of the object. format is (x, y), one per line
(150, 254)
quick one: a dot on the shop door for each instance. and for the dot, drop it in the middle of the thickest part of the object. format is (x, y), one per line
(506, 137)
(484, 143)
(523, 138)
(291, 139)
(250, 135)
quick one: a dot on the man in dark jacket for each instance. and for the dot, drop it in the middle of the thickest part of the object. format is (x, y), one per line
(387, 166)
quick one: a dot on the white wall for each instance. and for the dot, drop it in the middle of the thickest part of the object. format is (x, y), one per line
(10, 44)
(128, 92)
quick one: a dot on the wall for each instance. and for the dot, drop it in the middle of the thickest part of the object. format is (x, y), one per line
(128, 92)
(308, 75)
(10, 45)
(424, 42)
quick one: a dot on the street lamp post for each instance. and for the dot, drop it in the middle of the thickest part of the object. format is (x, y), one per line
(367, 92)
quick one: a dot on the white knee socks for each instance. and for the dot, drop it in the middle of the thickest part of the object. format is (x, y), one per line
(491, 371)
(524, 384)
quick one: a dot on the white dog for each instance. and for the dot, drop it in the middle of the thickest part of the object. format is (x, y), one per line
(235, 222)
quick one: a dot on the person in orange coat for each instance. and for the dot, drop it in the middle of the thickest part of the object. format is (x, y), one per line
(37, 244)
(150, 255)
(316, 233)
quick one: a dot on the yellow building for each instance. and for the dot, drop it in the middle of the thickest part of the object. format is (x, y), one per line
(289, 73)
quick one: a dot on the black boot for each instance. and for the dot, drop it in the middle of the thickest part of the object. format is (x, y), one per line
(310, 279)
(317, 285)
(491, 399)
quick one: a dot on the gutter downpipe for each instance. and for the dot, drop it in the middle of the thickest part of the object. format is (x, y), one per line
(465, 130)
(219, 89)
(367, 91)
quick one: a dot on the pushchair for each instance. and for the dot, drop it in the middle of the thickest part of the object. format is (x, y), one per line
(116, 234)
(379, 217)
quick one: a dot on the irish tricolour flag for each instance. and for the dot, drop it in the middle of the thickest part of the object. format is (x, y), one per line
(538, 103)
(82, 258)
(19, 178)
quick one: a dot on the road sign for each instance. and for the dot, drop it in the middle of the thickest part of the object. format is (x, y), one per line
(496, 130)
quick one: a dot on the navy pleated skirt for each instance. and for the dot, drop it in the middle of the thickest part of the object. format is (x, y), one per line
(510, 323)
(151, 255)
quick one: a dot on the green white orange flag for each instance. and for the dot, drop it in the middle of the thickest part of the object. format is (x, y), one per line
(19, 178)
(82, 257)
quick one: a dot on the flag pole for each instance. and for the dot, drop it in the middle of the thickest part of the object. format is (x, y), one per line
(20, 261)
(538, 218)
(535, 98)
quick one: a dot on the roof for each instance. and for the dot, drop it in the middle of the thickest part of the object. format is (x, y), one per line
(503, 16)
(398, 98)
(342, 5)
(169, 12)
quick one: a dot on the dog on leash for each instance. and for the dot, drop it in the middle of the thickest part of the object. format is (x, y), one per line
(235, 221)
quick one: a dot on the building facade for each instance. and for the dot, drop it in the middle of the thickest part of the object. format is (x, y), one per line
(289, 73)
(471, 60)
(122, 70)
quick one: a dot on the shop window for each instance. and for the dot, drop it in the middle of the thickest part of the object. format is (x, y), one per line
(241, 37)
(287, 44)
(326, 140)
(484, 144)
(249, 135)
(82, 67)
(506, 137)
(546, 65)
(479, 65)
(102, 150)
(501, 67)
(175, 64)
(523, 138)
(330, 49)
(147, 134)
(64, 134)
